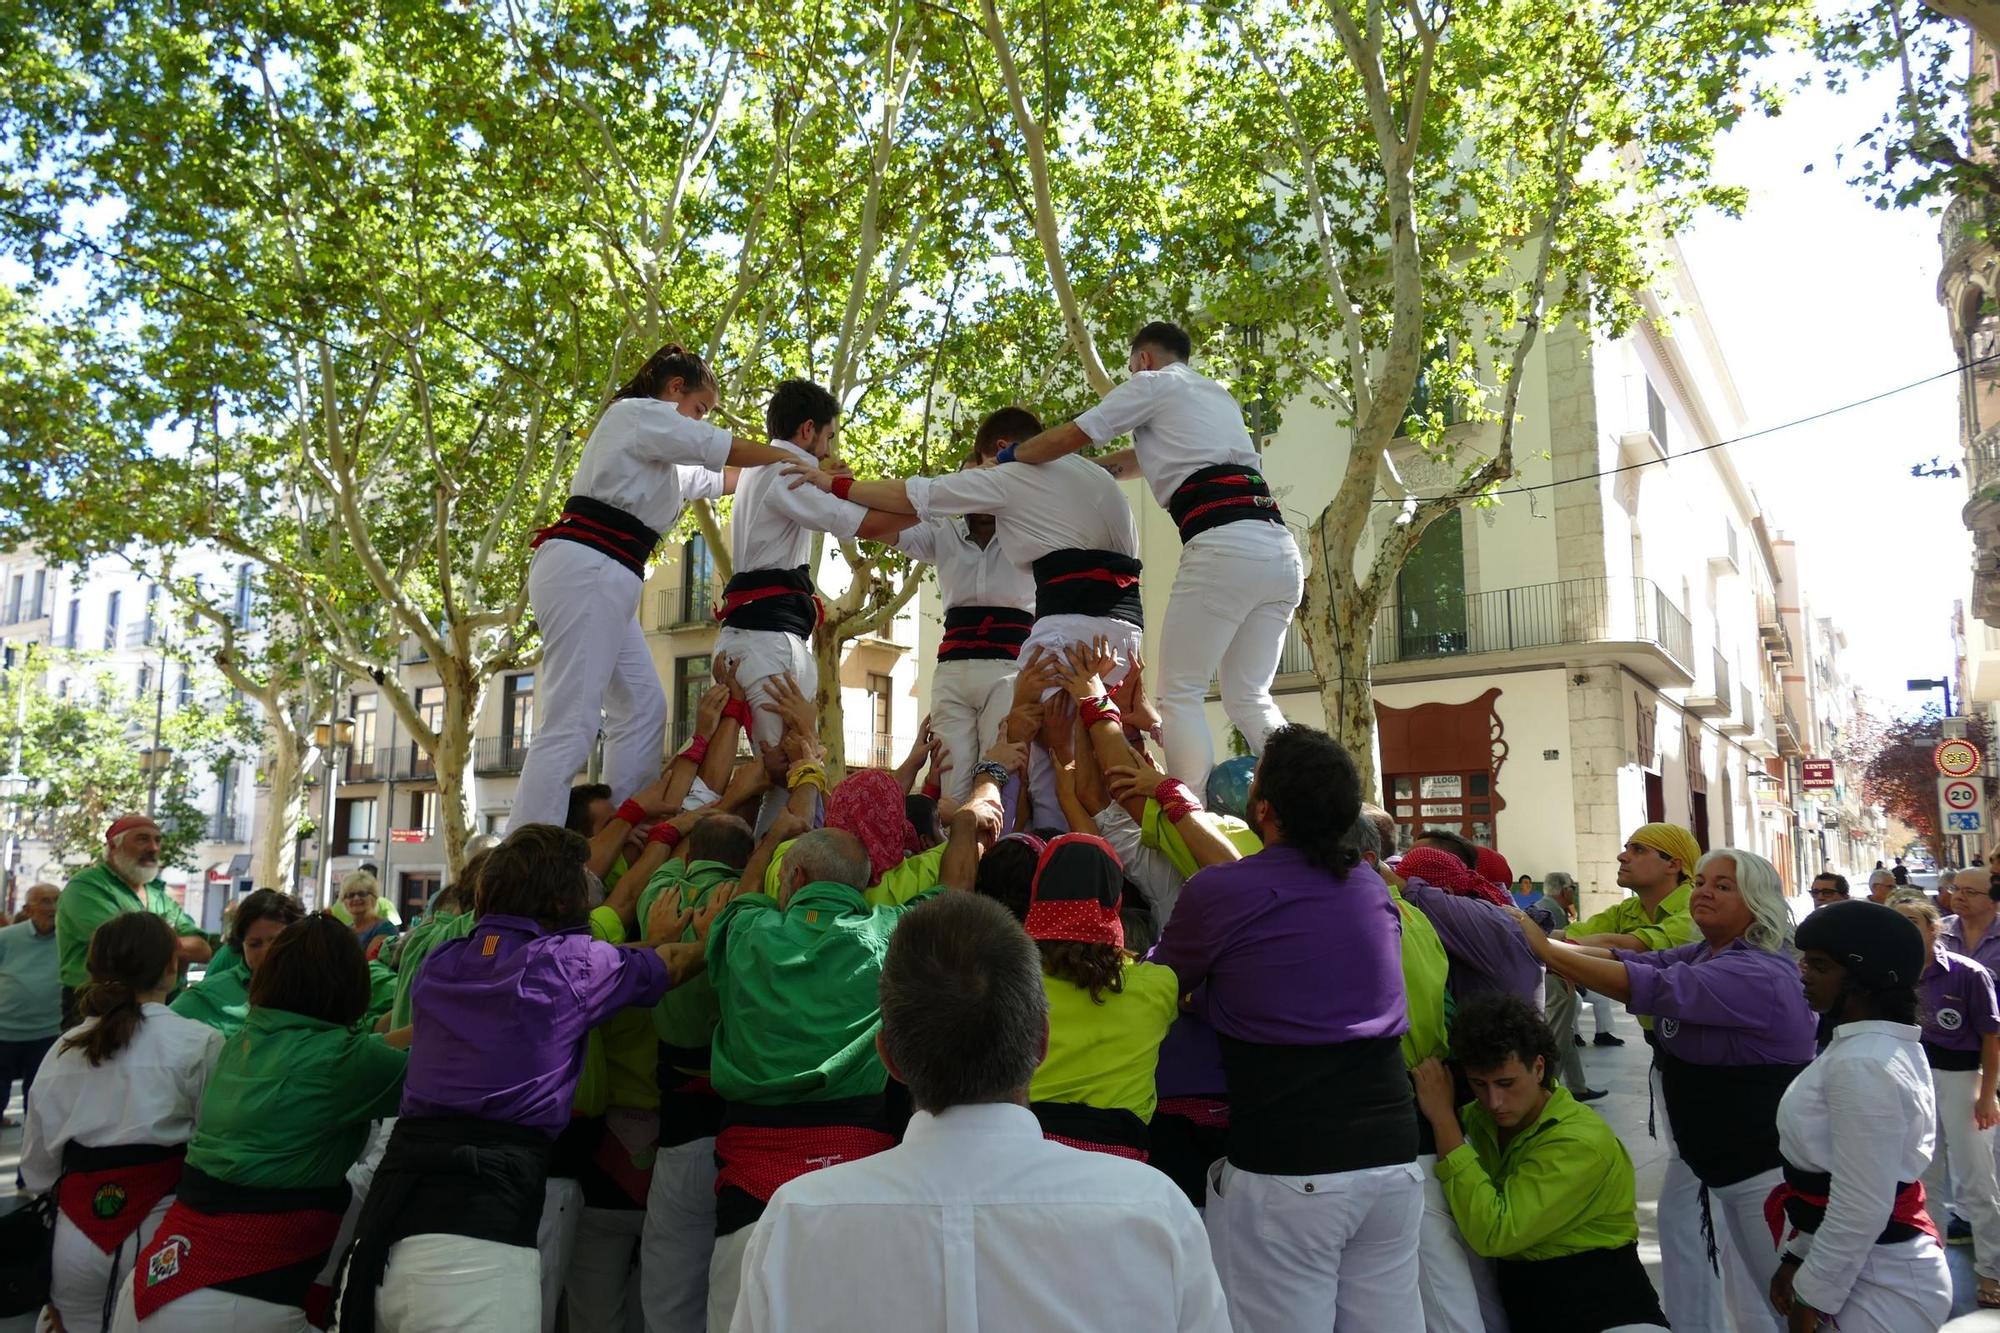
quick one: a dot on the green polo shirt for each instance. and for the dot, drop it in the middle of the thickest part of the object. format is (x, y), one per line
(1424, 969)
(92, 897)
(30, 998)
(1103, 1053)
(418, 942)
(381, 993)
(797, 986)
(1664, 928)
(220, 999)
(686, 1016)
(899, 884)
(290, 1101)
(1561, 1187)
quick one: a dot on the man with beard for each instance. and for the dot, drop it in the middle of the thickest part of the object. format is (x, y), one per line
(126, 880)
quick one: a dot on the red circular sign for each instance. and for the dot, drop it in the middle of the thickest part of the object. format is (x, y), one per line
(1957, 759)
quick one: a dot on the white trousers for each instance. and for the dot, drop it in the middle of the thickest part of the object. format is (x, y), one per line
(725, 1278)
(679, 1238)
(555, 1240)
(207, 1311)
(969, 701)
(1961, 1168)
(454, 1284)
(594, 663)
(1459, 1290)
(83, 1278)
(760, 656)
(1903, 1288)
(602, 1287)
(1303, 1254)
(1690, 1293)
(1234, 595)
(1056, 634)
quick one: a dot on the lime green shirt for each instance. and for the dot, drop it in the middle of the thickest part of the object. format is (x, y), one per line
(1561, 1187)
(92, 897)
(686, 1016)
(290, 1101)
(220, 999)
(421, 939)
(1424, 969)
(594, 1087)
(900, 883)
(797, 986)
(1664, 928)
(1104, 1054)
(1158, 832)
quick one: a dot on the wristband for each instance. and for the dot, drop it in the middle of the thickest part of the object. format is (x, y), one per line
(1098, 709)
(665, 834)
(1006, 455)
(932, 790)
(806, 772)
(696, 751)
(633, 813)
(841, 486)
(987, 768)
(1175, 800)
(739, 709)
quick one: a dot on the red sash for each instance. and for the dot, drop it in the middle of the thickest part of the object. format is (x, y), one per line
(1909, 1212)
(1113, 1149)
(758, 1159)
(193, 1250)
(1207, 1112)
(109, 1205)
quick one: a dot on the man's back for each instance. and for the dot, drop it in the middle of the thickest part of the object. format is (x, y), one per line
(978, 1222)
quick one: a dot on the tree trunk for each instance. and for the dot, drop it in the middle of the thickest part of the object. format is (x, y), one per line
(452, 760)
(275, 859)
(826, 644)
(1339, 626)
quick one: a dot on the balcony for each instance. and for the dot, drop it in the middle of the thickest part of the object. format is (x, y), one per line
(1712, 698)
(672, 613)
(1771, 630)
(1728, 560)
(230, 826)
(362, 768)
(1744, 720)
(1629, 620)
(1968, 223)
(405, 763)
(498, 755)
(1791, 736)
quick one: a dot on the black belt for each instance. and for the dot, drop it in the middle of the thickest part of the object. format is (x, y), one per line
(1315, 1110)
(605, 528)
(1112, 1126)
(1951, 1058)
(1223, 493)
(1075, 582)
(1724, 1117)
(1579, 1293)
(771, 599)
(984, 633)
(77, 1157)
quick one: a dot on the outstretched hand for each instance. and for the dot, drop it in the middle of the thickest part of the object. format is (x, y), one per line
(1039, 673)
(792, 705)
(708, 713)
(800, 474)
(1083, 669)
(668, 920)
(1538, 939)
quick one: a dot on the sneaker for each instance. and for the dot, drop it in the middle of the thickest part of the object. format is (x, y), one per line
(1959, 1232)
(1591, 1095)
(1608, 1039)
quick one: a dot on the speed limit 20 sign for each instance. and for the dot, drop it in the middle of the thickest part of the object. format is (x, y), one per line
(1957, 759)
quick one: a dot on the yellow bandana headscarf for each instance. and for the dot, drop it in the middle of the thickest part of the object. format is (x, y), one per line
(1675, 841)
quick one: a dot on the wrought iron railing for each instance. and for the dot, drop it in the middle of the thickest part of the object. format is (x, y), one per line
(498, 754)
(1542, 615)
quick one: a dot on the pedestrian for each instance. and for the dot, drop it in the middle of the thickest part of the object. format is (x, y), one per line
(1731, 1032)
(1536, 1182)
(1828, 887)
(359, 893)
(1882, 883)
(991, 1225)
(222, 998)
(113, 1111)
(126, 879)
(1561, 1000)
(1857, 1130)
(30, 994)
(651, 453)
(1239, 578)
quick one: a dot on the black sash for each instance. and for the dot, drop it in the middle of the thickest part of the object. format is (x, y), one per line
(605, 528)
(444, 1175)
(1223, 493)
(689, 1106)
(1805, 1198)
(1951, 1058)
(1579, 1293)
(1313, 1110)
(771, 599)
(1112, 1126)
(1724, 1118)
(1088, 583)
(984, 633)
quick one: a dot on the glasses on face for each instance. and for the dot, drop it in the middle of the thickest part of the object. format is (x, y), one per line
(1827, 895)
(357, 898)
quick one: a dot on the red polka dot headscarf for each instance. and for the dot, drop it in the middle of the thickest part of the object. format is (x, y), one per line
(869, 804)
(1078, 885)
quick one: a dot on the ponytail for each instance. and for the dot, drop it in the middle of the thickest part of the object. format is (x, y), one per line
(672, 362)
(128, 956)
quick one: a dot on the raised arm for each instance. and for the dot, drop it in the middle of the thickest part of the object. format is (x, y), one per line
(888, 497)
(1053, 443)
(1586, 966)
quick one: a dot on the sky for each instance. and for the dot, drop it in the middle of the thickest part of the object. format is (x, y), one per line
(1818, 299)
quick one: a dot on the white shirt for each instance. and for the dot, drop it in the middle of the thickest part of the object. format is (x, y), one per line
(147, 1093)
(647, 459)
(1863, 1112)
(1069, 504)
(969, 574)
(1180, 422)
(978, 1222)
(1148, 867)
(773, 523)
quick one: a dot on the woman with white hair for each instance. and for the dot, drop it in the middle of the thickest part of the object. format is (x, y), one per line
(360, 894)
(1731, 1032)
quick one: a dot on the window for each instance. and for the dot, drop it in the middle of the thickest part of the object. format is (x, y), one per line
(1430, 593)
(361, 707)
(225, 803)
(354, 827)
(424, 812)
(152, 598)
(111, 620)
(1460, 803)
(183, 690)
(243, 596)
(430, 711)
(145, 681)
(691, 677)
(1656, 415)
(517, 717)
(881, 715)
(14, 597)
(697, 577)
(71, 621)
(40, 606)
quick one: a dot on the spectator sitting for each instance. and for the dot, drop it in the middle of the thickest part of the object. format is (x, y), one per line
(361, 896)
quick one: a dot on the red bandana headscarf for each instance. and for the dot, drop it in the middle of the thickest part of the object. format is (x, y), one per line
(869, 804)
(1441, 870)
(1076, 892)
(1493, 868)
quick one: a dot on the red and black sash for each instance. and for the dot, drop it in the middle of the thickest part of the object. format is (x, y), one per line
(605, 528)
(1801, 1200)
(759, 1148)
(1224, 493)
(267, 1244)
(984, 633)
(107, 1192)
(771, 599)
(1076, 582)
(689, 1106)
(1104, 1129)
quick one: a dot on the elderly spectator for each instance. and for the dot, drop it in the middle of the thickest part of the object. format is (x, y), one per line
(1969, 930)
(30, 995)
(126, 880)
(360, 895)
(1066, 1239)
(1553, 912)
(1947, 884)
(1882, 883)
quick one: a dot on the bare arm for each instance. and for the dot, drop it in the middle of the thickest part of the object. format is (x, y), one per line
(1122, 464)
(749, 453)
(1053, 443)
(1985, 1114)
(730, 476)
(1583, 964)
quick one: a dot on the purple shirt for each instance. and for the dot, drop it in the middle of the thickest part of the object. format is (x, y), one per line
(503, 1014)
(1190, 1059)
(1952, 936)
(1489, 955)
(1292, 955)
(1958, 1003)
(1740, 1006)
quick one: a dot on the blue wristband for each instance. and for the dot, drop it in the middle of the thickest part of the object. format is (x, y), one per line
(1006, 455)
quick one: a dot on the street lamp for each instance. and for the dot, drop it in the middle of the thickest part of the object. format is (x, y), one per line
(153, 761)
(331, 738)
(1919, 686)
